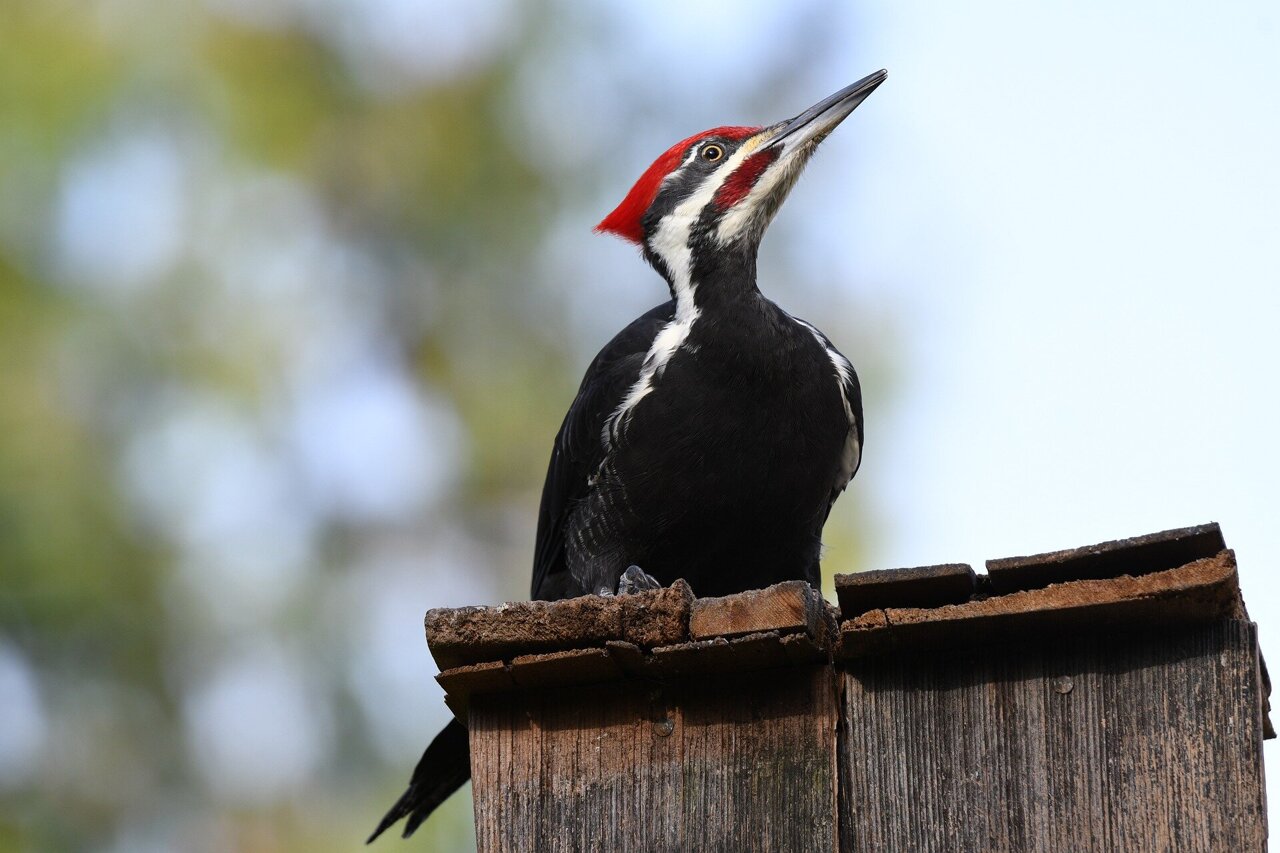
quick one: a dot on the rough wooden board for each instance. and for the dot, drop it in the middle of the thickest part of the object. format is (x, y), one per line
(926, 586)
(476, 678)
(1203, 591)
(481, 634)
(468, 635)
(1137, 556)
(553, 669)
(710, 763)
(785, 607)
(461, 682)
(1148, 742)
(754, 651)
(657, 619)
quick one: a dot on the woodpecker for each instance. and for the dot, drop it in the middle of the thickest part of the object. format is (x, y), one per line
(710, 438)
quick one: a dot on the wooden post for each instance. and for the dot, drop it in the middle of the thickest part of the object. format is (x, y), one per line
(735, 762)
(1143, 742)
(1107, 698)
(675, 725)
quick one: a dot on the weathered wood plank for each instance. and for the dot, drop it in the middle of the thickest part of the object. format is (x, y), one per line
(1139, 555)
(553, 669)
(470, 635)
(1203, 591)
(924, 586)
(785, 607)
(720, 762)
(1135, 742)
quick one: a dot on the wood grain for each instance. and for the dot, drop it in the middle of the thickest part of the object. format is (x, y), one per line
(1135, 742)
(744, 762)
(785, 607)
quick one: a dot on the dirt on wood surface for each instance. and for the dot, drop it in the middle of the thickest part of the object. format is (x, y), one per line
(468, 635)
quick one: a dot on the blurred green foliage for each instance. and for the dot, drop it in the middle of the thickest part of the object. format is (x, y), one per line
(167, 402)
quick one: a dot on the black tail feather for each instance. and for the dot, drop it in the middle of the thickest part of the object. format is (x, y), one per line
(444, 768)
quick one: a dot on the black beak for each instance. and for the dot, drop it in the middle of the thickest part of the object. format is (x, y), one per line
(821, 118)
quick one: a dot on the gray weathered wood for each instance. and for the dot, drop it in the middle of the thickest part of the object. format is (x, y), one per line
(1133, 742)
(1104, 698)
(743, 762)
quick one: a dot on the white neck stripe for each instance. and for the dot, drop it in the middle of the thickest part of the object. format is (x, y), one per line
(670, 242)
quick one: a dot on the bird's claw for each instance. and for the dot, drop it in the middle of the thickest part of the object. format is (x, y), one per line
(635, 579)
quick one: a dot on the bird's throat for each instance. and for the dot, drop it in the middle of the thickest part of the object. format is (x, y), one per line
(722, 279)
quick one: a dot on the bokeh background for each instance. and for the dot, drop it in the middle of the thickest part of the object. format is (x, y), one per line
(293, 294)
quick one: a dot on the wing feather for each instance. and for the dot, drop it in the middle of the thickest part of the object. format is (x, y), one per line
(579, 448)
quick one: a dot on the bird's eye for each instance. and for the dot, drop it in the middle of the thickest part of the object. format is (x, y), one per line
(712, 153)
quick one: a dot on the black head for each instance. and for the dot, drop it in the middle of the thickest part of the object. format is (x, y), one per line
(717, 191)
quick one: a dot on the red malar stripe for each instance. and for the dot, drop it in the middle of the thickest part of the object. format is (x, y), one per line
(736, 187)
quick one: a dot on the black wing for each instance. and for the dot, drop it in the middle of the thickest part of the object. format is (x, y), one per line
(851, 395)
(579, 449)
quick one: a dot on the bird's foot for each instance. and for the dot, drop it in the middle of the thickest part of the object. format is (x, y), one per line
(635, 579)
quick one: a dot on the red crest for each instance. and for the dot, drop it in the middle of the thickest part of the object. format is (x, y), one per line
(625, 218)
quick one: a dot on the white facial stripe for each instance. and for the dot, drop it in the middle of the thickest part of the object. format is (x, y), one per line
(670, 242)
(689, 158)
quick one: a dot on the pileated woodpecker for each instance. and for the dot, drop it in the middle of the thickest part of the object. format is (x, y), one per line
(710, 438)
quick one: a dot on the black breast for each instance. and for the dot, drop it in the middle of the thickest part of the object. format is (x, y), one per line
(723, 472)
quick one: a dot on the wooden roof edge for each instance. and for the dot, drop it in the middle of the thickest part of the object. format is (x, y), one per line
(923, 586)
(647, 621)
(1137, 555)
(955, 583)
(1202, 591)
(669, 632)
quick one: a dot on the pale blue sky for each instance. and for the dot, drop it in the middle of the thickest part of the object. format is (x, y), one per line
(1078, 208)
(1070, 215)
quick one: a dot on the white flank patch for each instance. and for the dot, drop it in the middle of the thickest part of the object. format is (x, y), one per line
(851, 455)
